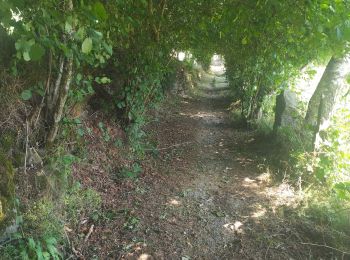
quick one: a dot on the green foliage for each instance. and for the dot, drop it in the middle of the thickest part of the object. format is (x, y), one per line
(80, 202)
(26, 94)
(86, 46)
(39, 231)
(343, 190)
(143, 91)
(264, 49)
(118, 143)
(43, 218)
(42, 224)
(136, 136)
(327, 167)
(274, 46)
(330, 214)
(130, 172)
(77, 24)
(36, 52)
(31, 248)
(7, 141)
(132, 222)
(333, 163)
(105, 134)
(82, 88)
(61, 162)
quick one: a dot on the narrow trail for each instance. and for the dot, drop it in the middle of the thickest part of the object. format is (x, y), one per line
(215, 202)
(204, 194)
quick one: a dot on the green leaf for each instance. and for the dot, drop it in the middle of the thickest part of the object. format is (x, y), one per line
(31, 243)
(90, 90)
(19, 220)
(121, 104)
(80, 33)
(342, 186)
(19, 44)
(108, 48)
(96, 35)
(46, 255)
(36, 52)
(79, 77)
(77, 121)
(39, 252)
(51, 241)
(105, 80)
(218, 213)
(80, 132)
(26, 94)
(24, 255)
(100, 11)
(24, 45)
(86, 47)
(348, 78)
(68, 27)
(26, 56)
(324, 6)
(245, 40)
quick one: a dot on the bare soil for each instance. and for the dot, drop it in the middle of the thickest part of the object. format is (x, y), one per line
(204, 193)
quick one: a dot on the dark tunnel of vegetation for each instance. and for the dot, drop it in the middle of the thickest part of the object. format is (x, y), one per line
(57, 57)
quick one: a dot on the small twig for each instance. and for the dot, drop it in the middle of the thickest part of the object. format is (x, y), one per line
(70, 143)
(77, 253)
(333, 248)
(26, 153)
(266, 252)
(68, 240)
(8, 119)
(89, 233)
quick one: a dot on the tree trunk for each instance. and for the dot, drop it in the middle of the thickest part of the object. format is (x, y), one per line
(60, 101)
(256, 103)
(279, 110)
(57, 94)
(322, 102)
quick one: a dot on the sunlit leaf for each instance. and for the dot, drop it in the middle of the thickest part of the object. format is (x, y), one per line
(245, 41)
(26, 56)
(105, 80)
(86, 47)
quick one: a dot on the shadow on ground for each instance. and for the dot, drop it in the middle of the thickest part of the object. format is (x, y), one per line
(203, 194)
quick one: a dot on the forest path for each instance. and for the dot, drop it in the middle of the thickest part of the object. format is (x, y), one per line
(215, 201)
(204, 192)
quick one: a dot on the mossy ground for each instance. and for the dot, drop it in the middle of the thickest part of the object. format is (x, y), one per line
(7, 189)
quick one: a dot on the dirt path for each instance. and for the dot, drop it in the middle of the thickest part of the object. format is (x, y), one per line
(204, 194)
(215, 203)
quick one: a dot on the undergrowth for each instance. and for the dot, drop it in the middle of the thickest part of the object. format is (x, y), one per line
(38, 228)
(322, 177)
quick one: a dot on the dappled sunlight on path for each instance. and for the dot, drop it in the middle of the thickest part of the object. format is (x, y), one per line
(205, 192)
(219, 203)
